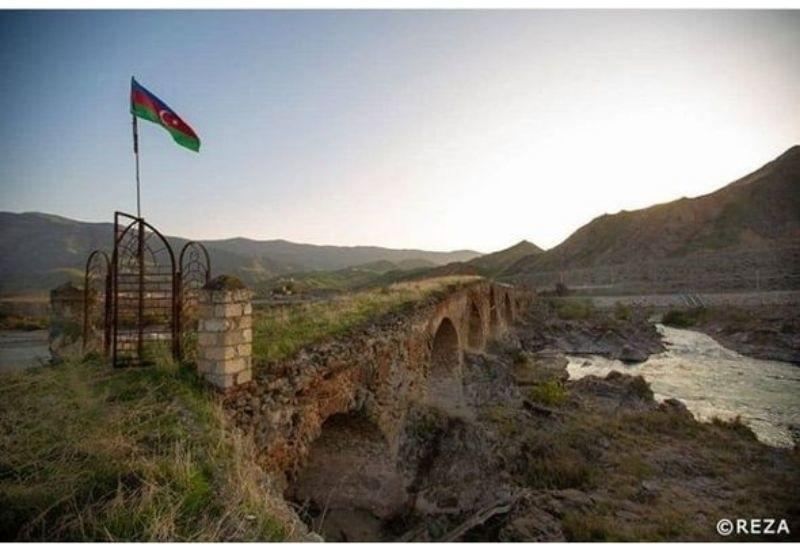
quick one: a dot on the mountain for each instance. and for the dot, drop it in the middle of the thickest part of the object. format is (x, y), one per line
(751, 223)
(295, 257)
(496, 262)
(39, 251)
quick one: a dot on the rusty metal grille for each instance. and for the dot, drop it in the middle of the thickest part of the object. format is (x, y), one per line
(144, 294)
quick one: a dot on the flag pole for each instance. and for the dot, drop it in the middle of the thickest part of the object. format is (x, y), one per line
(136, 154)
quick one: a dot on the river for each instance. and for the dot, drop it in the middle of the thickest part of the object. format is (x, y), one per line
(715, 381)
(22, 349)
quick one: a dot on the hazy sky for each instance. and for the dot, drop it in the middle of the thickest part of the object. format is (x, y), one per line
(438, 130)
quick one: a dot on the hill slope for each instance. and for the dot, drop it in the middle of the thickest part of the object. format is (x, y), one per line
(39, 251)
(496, 262)
(759, 213)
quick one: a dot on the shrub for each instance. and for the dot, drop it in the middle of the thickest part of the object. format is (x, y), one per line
(684, 318)
(622, 312)
(551, 393)
(573, 309)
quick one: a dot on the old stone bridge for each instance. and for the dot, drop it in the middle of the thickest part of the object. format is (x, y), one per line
(340, 407)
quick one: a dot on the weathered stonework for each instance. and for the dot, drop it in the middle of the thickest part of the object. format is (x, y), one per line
(225, 333)
(66, 322)
(375, 373)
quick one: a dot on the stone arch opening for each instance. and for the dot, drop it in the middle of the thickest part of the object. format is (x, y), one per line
(349, 484)
(492, 311)
(475, 328)
(508, 312)
(444, 378)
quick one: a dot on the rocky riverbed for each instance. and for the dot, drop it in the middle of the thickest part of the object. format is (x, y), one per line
(762, 332)
(576, 328)
(534, 456)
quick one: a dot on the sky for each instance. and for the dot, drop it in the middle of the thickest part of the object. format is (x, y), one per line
(439, 130)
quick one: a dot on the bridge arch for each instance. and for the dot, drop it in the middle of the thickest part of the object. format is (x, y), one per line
(475, 337)
(444, 376)
(508, 311)
(493, 316)
(349, 472)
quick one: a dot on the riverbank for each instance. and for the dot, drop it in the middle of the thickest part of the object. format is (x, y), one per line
(575, 326)
(715, 382)
(764, 332)
(544, 458)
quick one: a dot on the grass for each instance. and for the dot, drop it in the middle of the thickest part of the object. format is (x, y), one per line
(278, 333)
(684, 318)
(95, 454)
(550, 393)
(574, 309)
(22, 322)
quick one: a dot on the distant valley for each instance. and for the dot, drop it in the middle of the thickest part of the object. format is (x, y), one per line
(40, 251)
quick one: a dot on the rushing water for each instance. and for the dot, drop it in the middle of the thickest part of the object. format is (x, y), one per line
(715, 381)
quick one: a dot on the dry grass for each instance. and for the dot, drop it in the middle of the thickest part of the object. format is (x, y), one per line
(281, 332)
(90, 453)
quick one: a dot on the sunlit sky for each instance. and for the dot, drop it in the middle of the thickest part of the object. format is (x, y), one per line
(431, 129)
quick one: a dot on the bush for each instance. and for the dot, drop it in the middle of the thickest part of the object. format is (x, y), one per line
(551, 393)
(683, 318)
(571, 309)
(622, 312)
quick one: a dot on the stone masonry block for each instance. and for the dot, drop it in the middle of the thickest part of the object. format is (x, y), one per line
(242, 296)
(228, 310)
(222, 380)
(244, 350)
(244, 376)
(246, 321)
(205, 339)
(232, 365)
(220, 352)
(205, 311)
(213, 325)
(231, 338)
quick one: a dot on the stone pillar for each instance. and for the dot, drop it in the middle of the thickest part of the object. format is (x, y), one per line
(65, 335)
(225, 332)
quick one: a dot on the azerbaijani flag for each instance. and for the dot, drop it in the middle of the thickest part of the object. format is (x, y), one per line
(146, 105)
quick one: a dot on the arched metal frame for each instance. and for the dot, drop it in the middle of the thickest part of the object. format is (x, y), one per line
(144, 291)
(97, 290)
(194, 271)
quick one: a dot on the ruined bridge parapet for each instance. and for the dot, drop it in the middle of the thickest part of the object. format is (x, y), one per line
(378, 371)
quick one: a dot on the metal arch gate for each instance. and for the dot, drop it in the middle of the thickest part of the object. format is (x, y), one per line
(144, 294)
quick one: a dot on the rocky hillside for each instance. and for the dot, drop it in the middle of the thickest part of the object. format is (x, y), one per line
(758, 213)
(39, 251)
(496, 262)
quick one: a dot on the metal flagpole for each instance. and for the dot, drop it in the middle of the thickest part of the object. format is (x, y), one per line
(136, 153)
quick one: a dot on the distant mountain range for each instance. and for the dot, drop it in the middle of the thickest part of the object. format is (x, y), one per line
(752, 224)
(747, 232)
(39, 251)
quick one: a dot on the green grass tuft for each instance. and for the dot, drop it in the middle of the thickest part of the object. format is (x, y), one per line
(96, 454)
(550, 393)
(280, 332)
